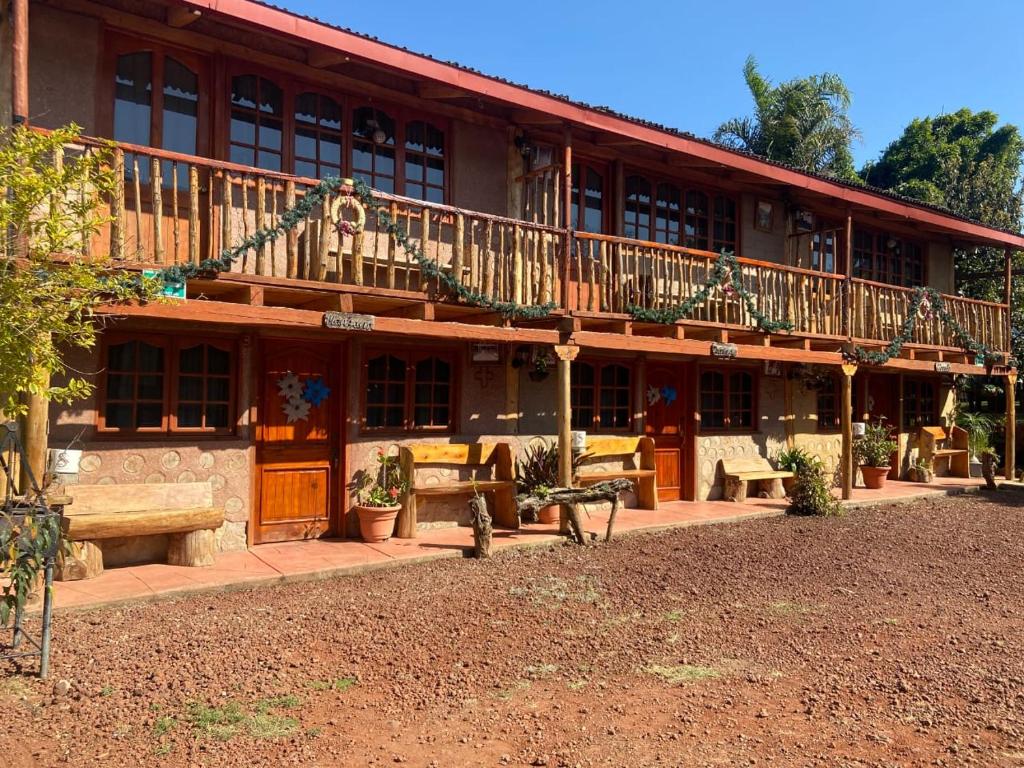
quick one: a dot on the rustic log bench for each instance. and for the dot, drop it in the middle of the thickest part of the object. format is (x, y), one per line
(643, 476)
(938, 444)
(737, 473)
(185, 511)
(482, 455)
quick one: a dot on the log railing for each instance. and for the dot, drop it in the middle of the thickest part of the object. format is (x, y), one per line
(612, 273)
(168, 208)
(878, 311)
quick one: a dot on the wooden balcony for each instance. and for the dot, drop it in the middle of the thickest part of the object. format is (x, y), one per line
(207, 205)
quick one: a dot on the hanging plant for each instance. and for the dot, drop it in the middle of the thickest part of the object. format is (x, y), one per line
(812, 377)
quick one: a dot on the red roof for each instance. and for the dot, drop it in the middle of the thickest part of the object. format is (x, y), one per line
(279, 21)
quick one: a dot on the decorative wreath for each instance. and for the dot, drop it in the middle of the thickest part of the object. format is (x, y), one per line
(348, 227)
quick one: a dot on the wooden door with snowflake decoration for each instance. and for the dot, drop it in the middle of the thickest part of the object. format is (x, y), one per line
(298, 441)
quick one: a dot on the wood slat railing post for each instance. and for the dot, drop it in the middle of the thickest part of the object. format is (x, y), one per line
(457, 245)
(157, 191)
(392, 246)
(175, 219)
(424, 245)
(226, 209)
(517, 264)
(193, 214)
(117, 207)
(291, 246)
(137, 202)
(324, 246)
(261, 222)
(487, 254)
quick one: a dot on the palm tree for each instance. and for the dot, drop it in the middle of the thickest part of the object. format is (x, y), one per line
(801, 122)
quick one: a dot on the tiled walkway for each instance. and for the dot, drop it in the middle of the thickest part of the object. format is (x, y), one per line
(317, 559)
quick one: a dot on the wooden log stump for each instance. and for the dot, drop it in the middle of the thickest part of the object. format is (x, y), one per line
(988, 470)
(735, 489)
(772, 489)
(482, 528)
(193, 548)
(80, 560)
(571, 498)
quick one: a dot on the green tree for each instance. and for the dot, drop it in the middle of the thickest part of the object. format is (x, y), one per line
(49, 288)
(802, 122)
(969, 164)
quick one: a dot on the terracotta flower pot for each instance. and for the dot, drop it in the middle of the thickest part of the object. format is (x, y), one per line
(376, 524)
(874, 477)
(548, 515)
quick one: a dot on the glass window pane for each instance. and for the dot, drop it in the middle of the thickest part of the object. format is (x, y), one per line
(190, 388)
(150, 387)
(121, 357)
(133, 97)
(217, 416)
(149, 415)
(181, 107)
(118, 416)
(151, 358)
(190, 360)
(190, 415)
(120, 386)
(218, 360)
(218, 389)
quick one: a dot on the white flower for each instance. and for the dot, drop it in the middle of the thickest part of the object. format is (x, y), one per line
(289, 386)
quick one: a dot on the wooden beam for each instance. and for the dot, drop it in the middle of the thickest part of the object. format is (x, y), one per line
(179, 17)
(440, 91)
(846, 421)
(322, 58)
(526, 117)
(1010, 447)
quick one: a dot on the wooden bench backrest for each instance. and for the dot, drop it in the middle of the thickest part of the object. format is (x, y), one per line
(138, 497)
(929, 437)
(603, 447)
(460, 454)
(743, 464)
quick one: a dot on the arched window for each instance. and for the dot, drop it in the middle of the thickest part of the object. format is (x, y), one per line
(638, 208)
(614, 392)
(385, 392)
(424, 162)
(666, 214)
(696, 220)
(587, 214)
(257, 122)
(203, 391)
(317, 136)
(373, 148)
(724, 224)
(727, 400)
(156, 104)
(432, 393)
(409, 391)
(583, 394)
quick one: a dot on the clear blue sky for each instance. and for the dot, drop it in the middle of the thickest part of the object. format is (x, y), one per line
(679, 62)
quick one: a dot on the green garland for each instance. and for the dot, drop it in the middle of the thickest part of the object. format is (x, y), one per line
(726, 268)
(291, 218)
(932, 299)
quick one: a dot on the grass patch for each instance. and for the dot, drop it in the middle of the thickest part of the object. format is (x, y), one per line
(536, 671)
(161, 750)
(164, 725)
(785, 608)
(106, 690)
(673, 616)
(225, 722)
(507, 693)
(338, 684)
(682, 673)
(552, 590)
(577, 685)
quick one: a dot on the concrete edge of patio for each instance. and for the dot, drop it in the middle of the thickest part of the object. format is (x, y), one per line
(542, 540)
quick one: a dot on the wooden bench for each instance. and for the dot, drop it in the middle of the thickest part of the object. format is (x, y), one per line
(185, 511)
(737, 473)
(941, 444)
(483, 455)
(643, 477)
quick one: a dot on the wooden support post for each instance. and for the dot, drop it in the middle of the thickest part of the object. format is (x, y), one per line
(34, 431)
(1008, 300)
(567, 222)
(846, 419)
(789, 416)
(19, 63)
(566, 354)
(1010, 449)
(847, 305)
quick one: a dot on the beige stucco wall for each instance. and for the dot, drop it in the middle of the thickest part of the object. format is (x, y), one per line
(479, 168)
(940, 267)
(756, 244)
(63, 64)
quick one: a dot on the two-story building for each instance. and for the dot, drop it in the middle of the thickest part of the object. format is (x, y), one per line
(226, 112)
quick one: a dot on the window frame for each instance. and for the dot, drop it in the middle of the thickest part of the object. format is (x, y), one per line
(755, 391)
(601, 169)
(911, 413)
(598, 366)
(117, 44)
(837, 407)
(712, 193)
(172, 346)
(411, 356)
(881, 275)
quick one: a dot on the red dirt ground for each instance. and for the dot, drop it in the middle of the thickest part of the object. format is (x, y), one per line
(888, 637)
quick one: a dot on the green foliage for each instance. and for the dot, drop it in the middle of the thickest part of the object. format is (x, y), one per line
(26, 537)
(726, 274)
(386, 486)
(537, 471)
(792, 459)
(50, 209)
(875, 447)
(979, 428)
(802, 122)
(812, 492)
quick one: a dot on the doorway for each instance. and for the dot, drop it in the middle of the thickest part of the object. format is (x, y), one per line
(298, 444)
(881, 401)
(665, 406)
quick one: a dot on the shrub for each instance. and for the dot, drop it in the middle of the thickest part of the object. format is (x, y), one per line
(792, 459)
(812, 492)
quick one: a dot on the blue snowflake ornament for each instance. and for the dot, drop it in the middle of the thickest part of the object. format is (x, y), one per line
(669, 395)
(315, 391)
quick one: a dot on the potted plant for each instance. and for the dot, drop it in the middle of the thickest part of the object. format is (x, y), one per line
(921, 472)
(379, 496)
(793, 460)
(979, 432)
(874, 454)
(537, 474)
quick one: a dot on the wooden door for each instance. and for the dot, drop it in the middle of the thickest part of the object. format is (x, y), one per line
(299, 441)
(665, 423)
(882, 402)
